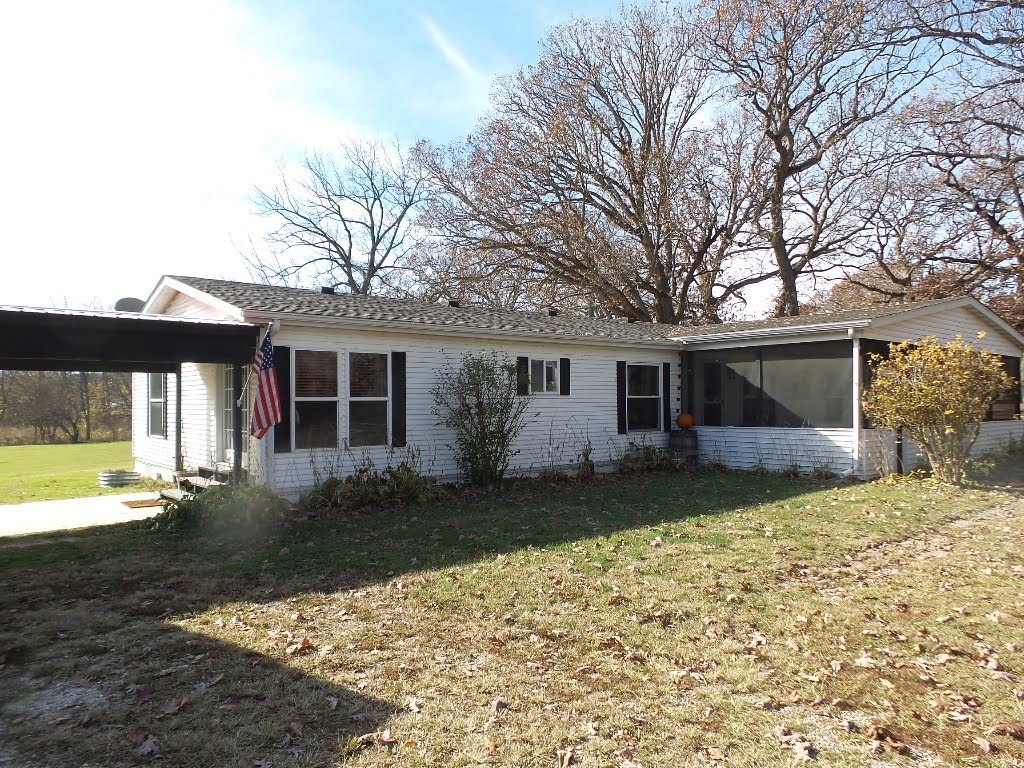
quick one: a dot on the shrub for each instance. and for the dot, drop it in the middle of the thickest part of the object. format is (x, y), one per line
(401, 484)
(231, 508)
(645, 458)
(940, 394)
(479, 402)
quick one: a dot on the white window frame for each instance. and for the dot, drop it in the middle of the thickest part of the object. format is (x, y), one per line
(225, 435)
(339, 356)
(556, 364)
(377, 399)
(150, 401)
(658, 397)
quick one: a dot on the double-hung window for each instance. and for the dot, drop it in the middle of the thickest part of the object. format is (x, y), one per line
(367, 399)
(643, 397)
(157, 394)
(544, 377)
(316, 399)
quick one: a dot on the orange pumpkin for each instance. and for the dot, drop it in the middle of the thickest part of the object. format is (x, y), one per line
(684, 420)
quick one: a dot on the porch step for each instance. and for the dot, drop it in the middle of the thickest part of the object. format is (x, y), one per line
(175, 494)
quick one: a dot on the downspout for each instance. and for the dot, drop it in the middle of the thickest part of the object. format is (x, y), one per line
(857, 418)
(179, 464)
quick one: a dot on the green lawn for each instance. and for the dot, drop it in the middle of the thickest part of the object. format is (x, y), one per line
(691, 620)
(39, 472)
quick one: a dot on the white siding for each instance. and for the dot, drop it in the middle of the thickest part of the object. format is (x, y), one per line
(946, 324)
(557, 429)
(186, 306)
(777, 449)
(878, 447)
(200, 385)
(153, 455)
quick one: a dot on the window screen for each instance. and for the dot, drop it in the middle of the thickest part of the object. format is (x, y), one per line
(316, 399)
(157, 405)
(368, 399)
(643, 397)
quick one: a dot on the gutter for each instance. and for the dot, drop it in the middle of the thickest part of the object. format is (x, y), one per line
(772, 332)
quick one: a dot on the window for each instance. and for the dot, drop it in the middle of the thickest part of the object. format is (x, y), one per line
(544, 377)
(643, 397)
(1008, 405)
(367, 399)
(316, 399)
(157, 405)
(228, 417)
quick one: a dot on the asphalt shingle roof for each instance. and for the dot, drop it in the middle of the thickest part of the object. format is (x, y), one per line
(302, 301)
(271, 299)
(846, 316)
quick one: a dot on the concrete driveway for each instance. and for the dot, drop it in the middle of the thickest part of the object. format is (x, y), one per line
(66, 514)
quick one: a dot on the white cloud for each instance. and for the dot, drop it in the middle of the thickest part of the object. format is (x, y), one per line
(450, 52)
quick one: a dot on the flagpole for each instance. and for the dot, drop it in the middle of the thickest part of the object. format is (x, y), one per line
(241, 394)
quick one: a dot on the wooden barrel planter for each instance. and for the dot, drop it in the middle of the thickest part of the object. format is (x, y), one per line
(118, 478)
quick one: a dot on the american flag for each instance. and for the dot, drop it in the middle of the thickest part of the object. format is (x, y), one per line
(266, 410)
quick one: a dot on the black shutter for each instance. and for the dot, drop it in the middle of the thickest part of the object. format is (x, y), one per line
(620, 385)
(523, 375)
(283, 431)
(398, 399)
(563, 376)
(666, 396)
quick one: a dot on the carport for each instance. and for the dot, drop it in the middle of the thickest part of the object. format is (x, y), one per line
(33, 339)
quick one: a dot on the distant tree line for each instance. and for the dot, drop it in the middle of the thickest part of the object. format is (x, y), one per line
(64, 407)
(659, 164)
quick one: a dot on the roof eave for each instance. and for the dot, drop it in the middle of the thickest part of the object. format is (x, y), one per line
(253, 316)
(761, 333)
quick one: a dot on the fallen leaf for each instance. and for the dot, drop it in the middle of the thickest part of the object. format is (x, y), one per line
(298, 645)
(499, 704)
(215, 679)
(332, 702)
(566, 757)
(141, 693)
(415, 705)
(295, 727)
(490, 744)
(985, 745)
(380, 738)
(148, 747)
(173, 707)
(1007, 729)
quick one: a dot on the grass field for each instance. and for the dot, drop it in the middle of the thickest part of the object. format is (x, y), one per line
(686, 620)
(38, 472)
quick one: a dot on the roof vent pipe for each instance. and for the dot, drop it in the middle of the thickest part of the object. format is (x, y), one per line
(328, 289)
(552, 311)
(453, 303)
(631, 320)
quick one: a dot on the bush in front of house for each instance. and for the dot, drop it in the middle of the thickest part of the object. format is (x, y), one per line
(940, 394)
(480, 402)
(238, 508)
(645, 458)
(396, 485)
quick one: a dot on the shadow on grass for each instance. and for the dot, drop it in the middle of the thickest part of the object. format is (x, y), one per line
(86, 616)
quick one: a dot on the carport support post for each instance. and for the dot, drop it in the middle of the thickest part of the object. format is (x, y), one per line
(179, 464)
(236, 423)
(857, 417)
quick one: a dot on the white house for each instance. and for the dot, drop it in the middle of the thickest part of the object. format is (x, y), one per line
(356, 373)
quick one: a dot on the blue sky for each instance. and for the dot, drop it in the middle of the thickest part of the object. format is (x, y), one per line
(132, 133)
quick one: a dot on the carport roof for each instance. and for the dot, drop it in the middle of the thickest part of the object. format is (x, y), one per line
(43, 339)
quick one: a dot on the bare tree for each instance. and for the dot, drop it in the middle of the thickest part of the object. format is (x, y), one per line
(599, 174)
(812, 73)
(346, 222)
